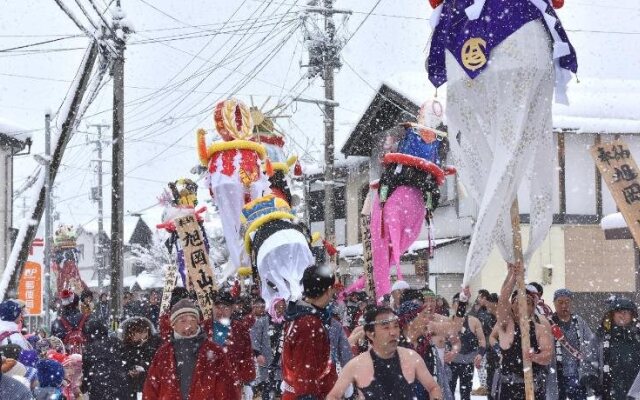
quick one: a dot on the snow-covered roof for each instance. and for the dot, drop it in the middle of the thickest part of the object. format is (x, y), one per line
(151, 216)
(613, 221)
(340, 162)
(127, 282)
(12, 130)
(355, 250)
(596, 105)
(600, 106)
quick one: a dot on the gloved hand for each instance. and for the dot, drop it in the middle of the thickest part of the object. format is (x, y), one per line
(592, 382)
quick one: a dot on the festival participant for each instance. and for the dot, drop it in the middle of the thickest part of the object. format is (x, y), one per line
(70, 323)
(613, 356)
(10, 321)
(570, 345)
(265, 337)
(11, 388)
(103, 309)
(510, 384)
(86, 302)
(139, 345)
(307, 370)
(386, 371)
(189, 366)
(50, 378)
(258, 307)
(232, 331)
(103, 372)
(396, 293)
(416, 335)
(492, 358)
(472, 348)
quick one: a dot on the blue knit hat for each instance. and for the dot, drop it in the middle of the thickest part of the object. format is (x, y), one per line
(10, 310)
(562, 293)
(50, 373)
(28, 357)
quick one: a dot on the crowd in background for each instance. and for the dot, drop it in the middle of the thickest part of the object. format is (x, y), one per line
(327, 345)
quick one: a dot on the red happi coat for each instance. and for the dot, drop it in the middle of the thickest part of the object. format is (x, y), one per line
(306, 355)
(212, 376)
(239, 349)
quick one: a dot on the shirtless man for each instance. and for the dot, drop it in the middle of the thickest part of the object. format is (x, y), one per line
(507, 330)
(386, 371)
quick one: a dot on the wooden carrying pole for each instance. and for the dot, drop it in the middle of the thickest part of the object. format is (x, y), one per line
(522, 302)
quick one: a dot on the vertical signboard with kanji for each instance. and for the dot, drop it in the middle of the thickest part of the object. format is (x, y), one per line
(169, 284)
(30, 288)
(620, 172)
(196, 260)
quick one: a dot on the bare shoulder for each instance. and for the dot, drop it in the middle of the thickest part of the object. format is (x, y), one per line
(440, 318)
(408, 354)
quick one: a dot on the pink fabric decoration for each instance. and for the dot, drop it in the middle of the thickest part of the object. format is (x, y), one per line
(394, 228)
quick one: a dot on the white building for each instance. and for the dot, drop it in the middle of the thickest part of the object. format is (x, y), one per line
(13, 140)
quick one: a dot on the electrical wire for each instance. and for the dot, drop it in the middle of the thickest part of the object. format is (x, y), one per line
(73, 18)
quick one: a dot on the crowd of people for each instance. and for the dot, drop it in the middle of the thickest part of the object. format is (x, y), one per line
(327, 345)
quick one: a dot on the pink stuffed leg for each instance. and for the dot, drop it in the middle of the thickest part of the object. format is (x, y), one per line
(403, 217)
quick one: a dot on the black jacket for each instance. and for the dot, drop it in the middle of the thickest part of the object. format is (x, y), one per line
(138, 355)
(103, 372)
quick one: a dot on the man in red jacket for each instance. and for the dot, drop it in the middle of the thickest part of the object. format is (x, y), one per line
(189, 366)
(307, 370)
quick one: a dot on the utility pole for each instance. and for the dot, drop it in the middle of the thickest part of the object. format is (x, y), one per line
(324, 59)
(329, 124)
(117, 168)
(97, 196)
(21, 247)
(48, 234)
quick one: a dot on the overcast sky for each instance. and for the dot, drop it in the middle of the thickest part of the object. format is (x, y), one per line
(391, 42)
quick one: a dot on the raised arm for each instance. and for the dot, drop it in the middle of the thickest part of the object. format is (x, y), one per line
(503, 312)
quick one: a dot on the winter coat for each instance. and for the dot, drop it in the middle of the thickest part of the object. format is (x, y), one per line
(153, 313)
(265, 338)
(11, 388)
(623, 361)
(72, 314)
(14, 338)
(307, 369)
(134, 356)
(211, 377)
(340, 347)
(103, 373)
(239, 349)
(102, 312)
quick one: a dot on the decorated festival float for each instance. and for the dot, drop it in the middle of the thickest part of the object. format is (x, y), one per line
(65, 261)
(234, 174)
(405, 196)
(277, 243)
(249, 177)
(181, 200)
(501, 66)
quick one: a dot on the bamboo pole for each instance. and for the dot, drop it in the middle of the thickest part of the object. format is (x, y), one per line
(522, 302)
(365, 230)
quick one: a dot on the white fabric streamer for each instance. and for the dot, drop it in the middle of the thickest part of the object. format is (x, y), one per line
(281, 260)
(504, 120)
